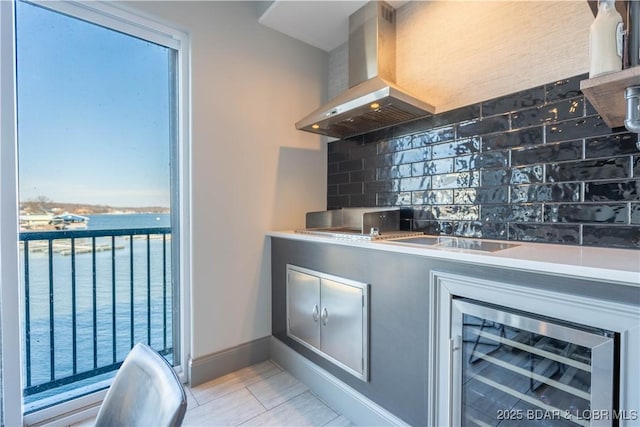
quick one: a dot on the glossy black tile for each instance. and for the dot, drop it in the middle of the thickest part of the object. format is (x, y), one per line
(378, 135)
(578, 128)
(491, 159)
(338, 178)
(555, 152)
(388, 199)
(363, 150)
(382, 186)
(423, 213)
(549, 233)
(464, 163)
(344, 189)
(362, 176)
(535, 193)
(455, 148)
(517, 101)
(433, 197)
(391, 172)
(458, 115)
(527, 175)
(456, 212)
(512, 213)
(634, 216)
(336, 202)
(362, 200)
(394, 144)
(536, 165)
(413, 155)
(611, 236)
(612, 168)
(495, 177)
(475, 229)
(433, 167)
(415, 183)
(337, 156)
(443, 134)
(611, 145)
(483, 126)
(587, 213)
(380, 161)
(455, 180)
(567, 88)
(465, 196)
(418, 125)
(518, 138)
(434, 227)
(548, 113)
(489, 195)
(625, 190)
(350, 165)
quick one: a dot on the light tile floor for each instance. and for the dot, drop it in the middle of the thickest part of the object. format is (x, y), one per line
(259, 395)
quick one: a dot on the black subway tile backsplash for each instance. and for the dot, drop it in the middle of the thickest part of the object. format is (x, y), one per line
(539, 165)
(517, 101)
(552, 152)
(513, 139)
(576, 128)
(587, 213)
(563, 89)
(483, 126)
(611, 145)
(626, 190)
(616, 167)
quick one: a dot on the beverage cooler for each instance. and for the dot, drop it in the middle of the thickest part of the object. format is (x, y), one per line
(516, 368)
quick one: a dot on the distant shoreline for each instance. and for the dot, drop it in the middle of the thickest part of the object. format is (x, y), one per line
(46, 207)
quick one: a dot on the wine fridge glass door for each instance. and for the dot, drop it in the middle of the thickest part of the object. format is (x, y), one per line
(513, 368)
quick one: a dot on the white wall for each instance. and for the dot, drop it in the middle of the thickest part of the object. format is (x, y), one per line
(252, 171)
(455, 53)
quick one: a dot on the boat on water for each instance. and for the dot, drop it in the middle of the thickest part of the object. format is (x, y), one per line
(69, 221)
(66, 221)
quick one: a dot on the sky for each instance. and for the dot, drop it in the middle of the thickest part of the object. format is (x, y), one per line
(93, 113)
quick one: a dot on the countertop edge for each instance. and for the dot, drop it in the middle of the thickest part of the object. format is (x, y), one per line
(562, 260)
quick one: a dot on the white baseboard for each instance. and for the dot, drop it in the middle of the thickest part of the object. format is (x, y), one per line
(358, 408)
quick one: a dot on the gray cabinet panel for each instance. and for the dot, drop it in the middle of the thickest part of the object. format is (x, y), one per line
(303, 305)
(342, 330)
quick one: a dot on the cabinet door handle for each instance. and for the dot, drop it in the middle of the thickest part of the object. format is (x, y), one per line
(325, 316)
(314, 313)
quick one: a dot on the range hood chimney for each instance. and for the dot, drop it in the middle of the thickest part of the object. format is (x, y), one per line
(373, 100)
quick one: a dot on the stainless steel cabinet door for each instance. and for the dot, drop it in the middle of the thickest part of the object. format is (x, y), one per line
(342, 323)
(303, 307)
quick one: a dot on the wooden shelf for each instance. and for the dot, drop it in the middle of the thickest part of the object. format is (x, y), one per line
(606, 94)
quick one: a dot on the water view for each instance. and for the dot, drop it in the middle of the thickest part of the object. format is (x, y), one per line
(86, 309)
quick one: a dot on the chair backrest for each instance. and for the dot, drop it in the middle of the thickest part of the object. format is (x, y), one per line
(145, 392)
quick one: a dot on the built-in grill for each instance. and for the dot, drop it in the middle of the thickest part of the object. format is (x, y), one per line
(356, 223)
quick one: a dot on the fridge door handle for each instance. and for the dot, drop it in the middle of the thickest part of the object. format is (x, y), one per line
(455, 344)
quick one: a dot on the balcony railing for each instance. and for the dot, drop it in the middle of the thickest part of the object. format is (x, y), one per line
(89, 296)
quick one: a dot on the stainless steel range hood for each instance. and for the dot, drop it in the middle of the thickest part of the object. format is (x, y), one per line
(373, 100)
